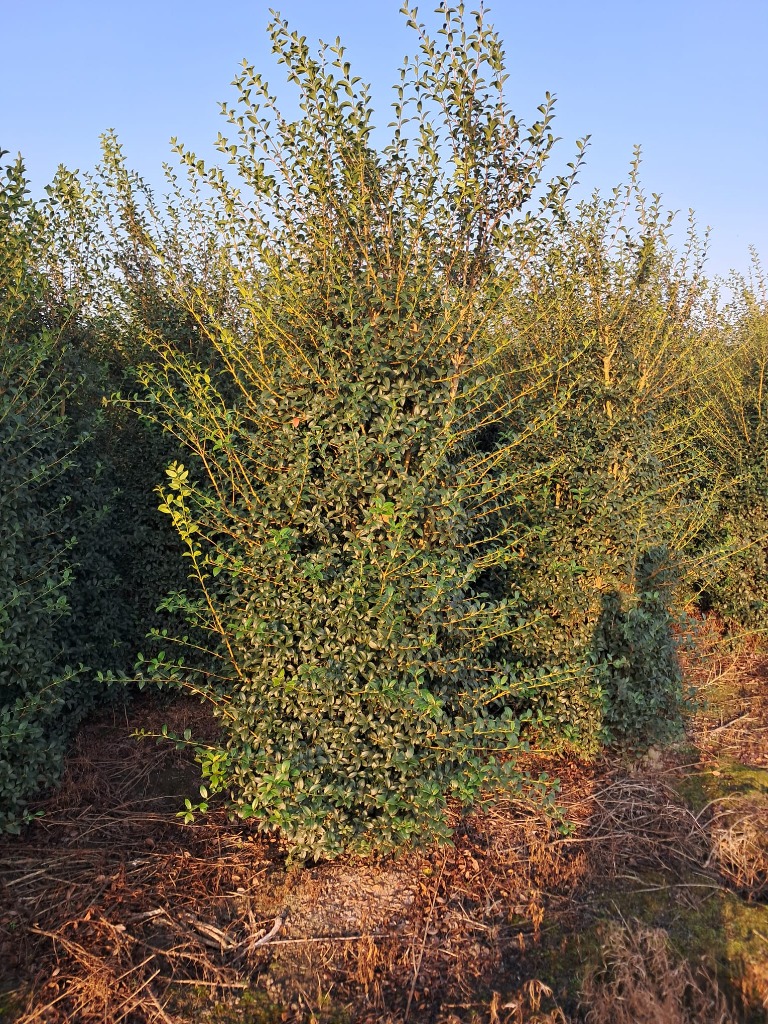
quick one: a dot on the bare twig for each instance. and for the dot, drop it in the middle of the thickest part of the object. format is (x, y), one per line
(279, 922)
(427, 923)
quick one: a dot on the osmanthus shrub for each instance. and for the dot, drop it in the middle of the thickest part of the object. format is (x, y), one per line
(75, 507)
(349, 506)
(37, 689)
(127, 555)
(612, 327)
(736, 435)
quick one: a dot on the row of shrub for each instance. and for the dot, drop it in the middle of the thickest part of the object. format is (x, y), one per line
(449, 457)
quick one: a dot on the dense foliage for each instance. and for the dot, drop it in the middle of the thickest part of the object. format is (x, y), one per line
(736, 438)
(346, 509)
(37, 693)
(449, 458)
(608, 326)
(74, 599)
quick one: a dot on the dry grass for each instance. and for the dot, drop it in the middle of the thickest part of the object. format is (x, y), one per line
(731, 680)
(641, 982)
(111, 910)
(107, 984)
(640, 823)
(113, 906)
(739, 837)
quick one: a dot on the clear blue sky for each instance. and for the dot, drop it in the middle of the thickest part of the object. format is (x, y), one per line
(684, 78)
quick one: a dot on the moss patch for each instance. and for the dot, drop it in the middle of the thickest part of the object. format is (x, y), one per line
(715, 927)
(726, 779)
(205, 1006)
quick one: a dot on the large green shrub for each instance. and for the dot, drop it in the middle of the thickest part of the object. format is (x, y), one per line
(737, 398)
(347, 500)
(37, 703)
(127, 555)
(442, 447)
(446, 455)
(75, 504)
(609, 321)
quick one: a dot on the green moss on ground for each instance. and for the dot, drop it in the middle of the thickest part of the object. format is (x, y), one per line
(714, 928)
(206, 1006)
(723, 780)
